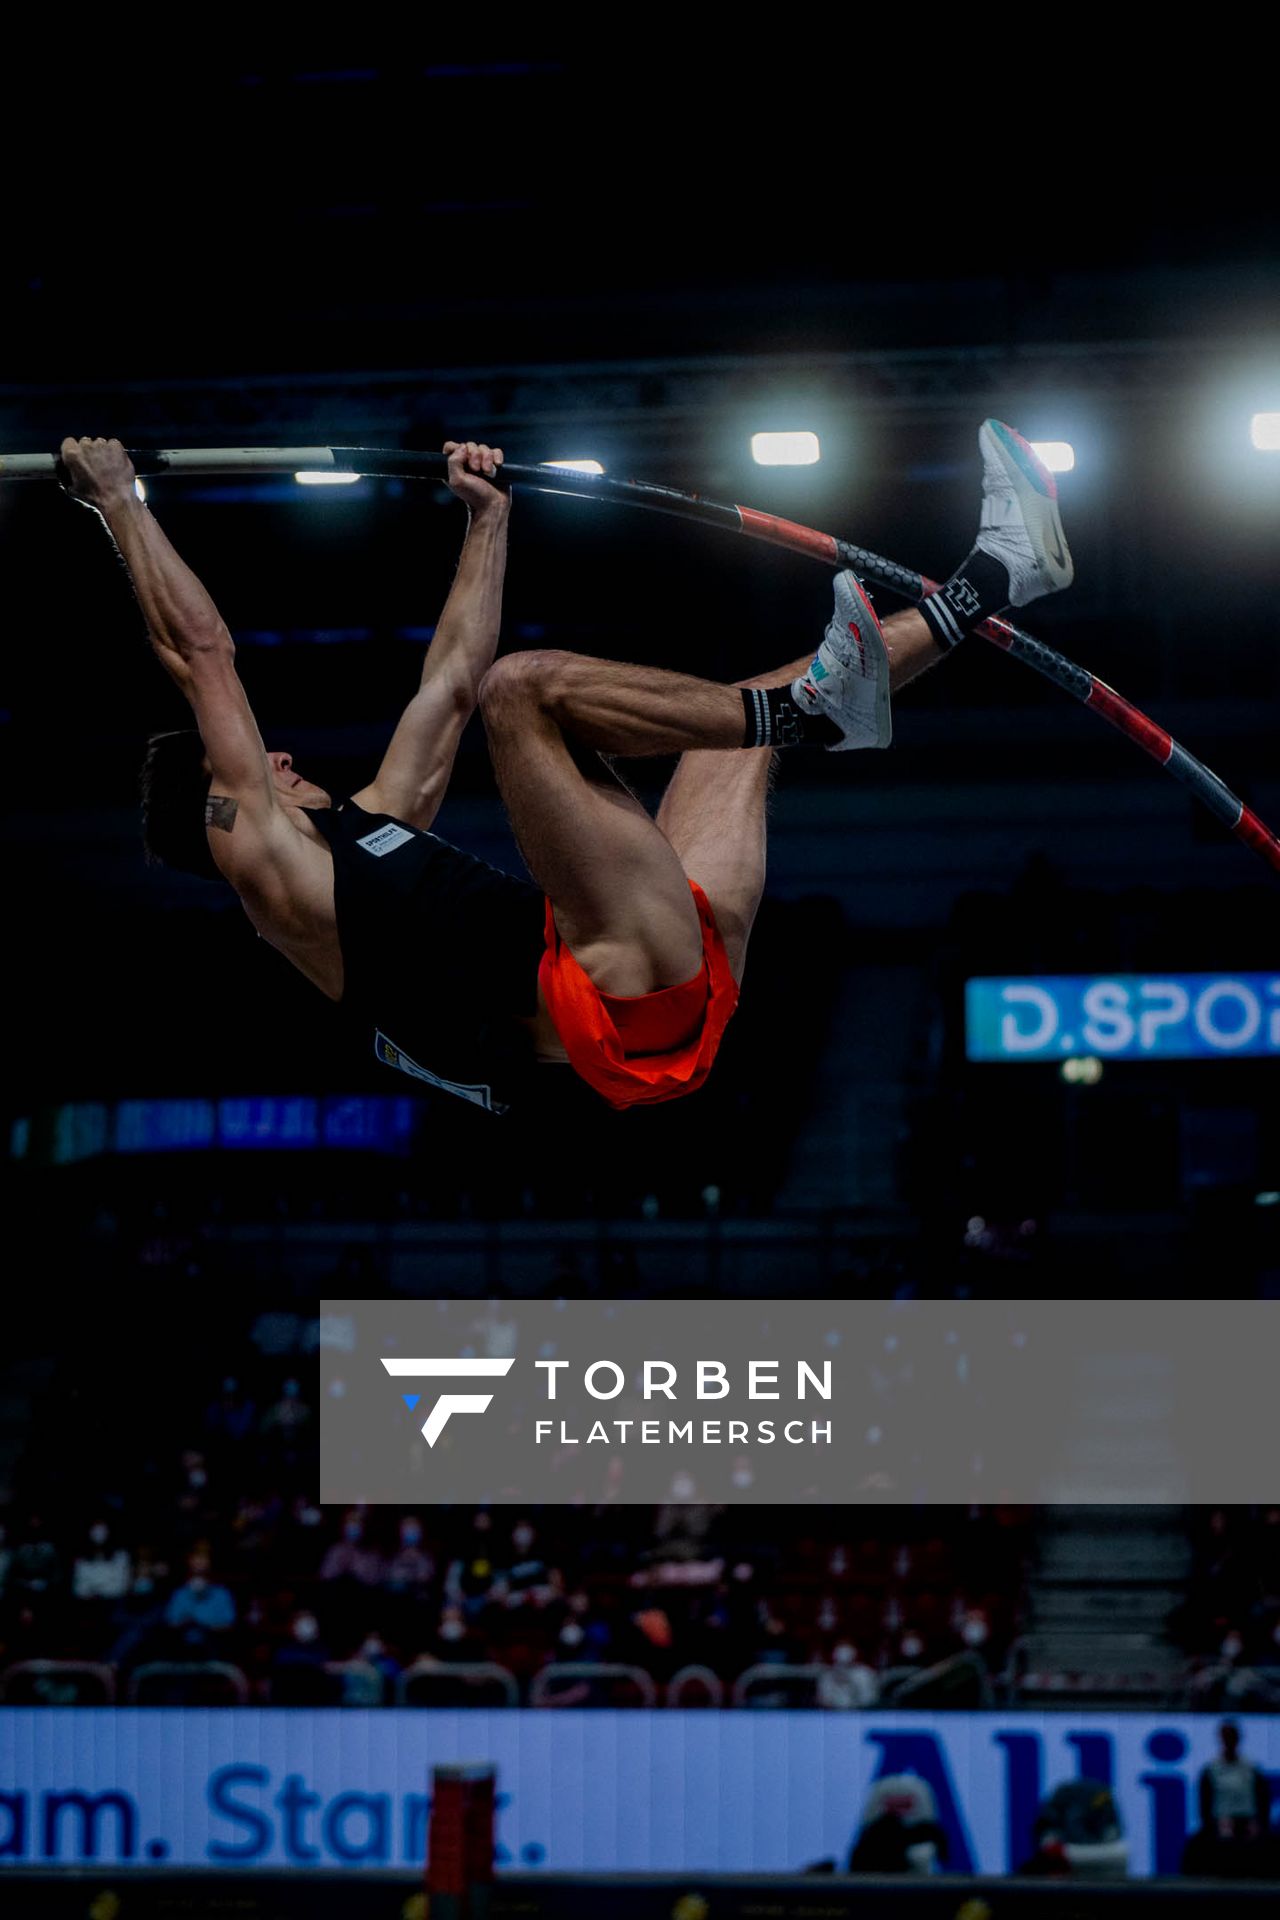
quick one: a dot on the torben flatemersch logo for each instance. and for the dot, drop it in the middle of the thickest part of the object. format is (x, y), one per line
(448, 1368)
(658, 1381)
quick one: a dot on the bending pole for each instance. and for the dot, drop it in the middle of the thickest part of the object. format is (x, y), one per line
(379, 464)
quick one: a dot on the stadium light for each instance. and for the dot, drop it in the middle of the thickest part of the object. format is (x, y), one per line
(785, 449)
(1058, 455)
(574, 466)
(1264, 431)
(325, 479)
(140, 489)
(1084, 1070)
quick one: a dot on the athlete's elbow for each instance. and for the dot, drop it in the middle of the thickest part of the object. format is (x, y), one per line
(463, 697)
(205, 641)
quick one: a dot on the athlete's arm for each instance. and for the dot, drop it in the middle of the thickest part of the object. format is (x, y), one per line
(192, 643)
(415, 772)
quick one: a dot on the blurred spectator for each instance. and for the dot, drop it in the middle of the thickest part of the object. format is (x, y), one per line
(367, 1679)
(584, 1634)
(255, 1523)
(195, 1504)
(100, 1576)
(288, 1418)
(232, 1417)
(683, 1529)
(373, 1650)
(352, 1557)
(472, 1584)
(298, 1676)
(975, 1634)
(411, 1568)
(911, 1651)
(900, 1832)
(529, 1580)
(655, 1642)
(572, 1642)
(200, 1612)
(1078, 1835)
(36, 1569)
(775, 1645)
(136, 1620)
(1235, 1798)
(847, 1682)
(454, 1639)
(304, 1516)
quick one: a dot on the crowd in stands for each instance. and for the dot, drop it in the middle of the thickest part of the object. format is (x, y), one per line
(194, 1537)
(1229, 1624)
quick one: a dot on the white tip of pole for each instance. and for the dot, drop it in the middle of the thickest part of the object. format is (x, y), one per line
(28, 466)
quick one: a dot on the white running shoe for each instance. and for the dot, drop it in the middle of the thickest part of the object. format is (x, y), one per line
(849, 678)
(1021, 526)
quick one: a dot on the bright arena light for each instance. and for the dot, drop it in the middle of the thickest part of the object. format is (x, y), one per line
(139, 489)
(1264, 431)
(1058, 455)
(574, 466)
(785, 449)
(1084, 1070)
(325, 479)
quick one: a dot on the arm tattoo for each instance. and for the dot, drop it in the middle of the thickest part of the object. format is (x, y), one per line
(220, 812)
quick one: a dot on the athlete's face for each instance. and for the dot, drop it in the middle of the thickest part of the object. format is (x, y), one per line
(292, 788)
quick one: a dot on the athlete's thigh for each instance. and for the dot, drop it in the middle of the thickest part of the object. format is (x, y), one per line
(713, 814)
(618, 889)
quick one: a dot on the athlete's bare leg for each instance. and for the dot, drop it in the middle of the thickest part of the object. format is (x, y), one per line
(617, 882)
(612, 875)
(713, 812)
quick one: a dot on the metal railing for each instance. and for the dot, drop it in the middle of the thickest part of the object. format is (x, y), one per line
(695, 1677)
(787, 1675)
(444, 1675)
(901, 1686)
(574, 1672)
(1194, 1685)
(156, 1670)
(100, 1672)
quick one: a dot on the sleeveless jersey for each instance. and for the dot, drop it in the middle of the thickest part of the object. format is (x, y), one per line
(440, 955)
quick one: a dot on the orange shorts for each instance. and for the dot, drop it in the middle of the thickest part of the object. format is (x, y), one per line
(655, 1046)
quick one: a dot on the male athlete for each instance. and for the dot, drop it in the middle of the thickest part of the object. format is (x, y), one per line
(625, 954)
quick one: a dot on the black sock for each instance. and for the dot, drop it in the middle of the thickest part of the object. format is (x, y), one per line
(977, 589)
(774, 720)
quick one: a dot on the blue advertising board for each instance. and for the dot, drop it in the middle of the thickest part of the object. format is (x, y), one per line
(1123, 1016)
(256, 1123)
(578, 1791)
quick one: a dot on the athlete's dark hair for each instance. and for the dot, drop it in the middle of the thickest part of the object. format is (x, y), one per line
(174, 788)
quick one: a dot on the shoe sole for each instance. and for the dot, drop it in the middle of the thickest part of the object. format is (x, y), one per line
(1037, 493)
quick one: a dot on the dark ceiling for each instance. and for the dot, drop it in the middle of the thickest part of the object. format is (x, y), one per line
(450, 202)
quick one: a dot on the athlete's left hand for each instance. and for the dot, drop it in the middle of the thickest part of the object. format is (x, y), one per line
(472, 468)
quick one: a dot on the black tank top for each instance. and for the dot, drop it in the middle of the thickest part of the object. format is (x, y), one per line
(440, 955)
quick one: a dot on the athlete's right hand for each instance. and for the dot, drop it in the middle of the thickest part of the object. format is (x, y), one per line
(473, 468)
(98, 472)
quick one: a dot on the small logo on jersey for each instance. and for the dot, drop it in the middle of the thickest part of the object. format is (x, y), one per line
(393, 1056)
(385, 839)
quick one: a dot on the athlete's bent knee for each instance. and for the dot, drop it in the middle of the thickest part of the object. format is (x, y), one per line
(521, 681)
